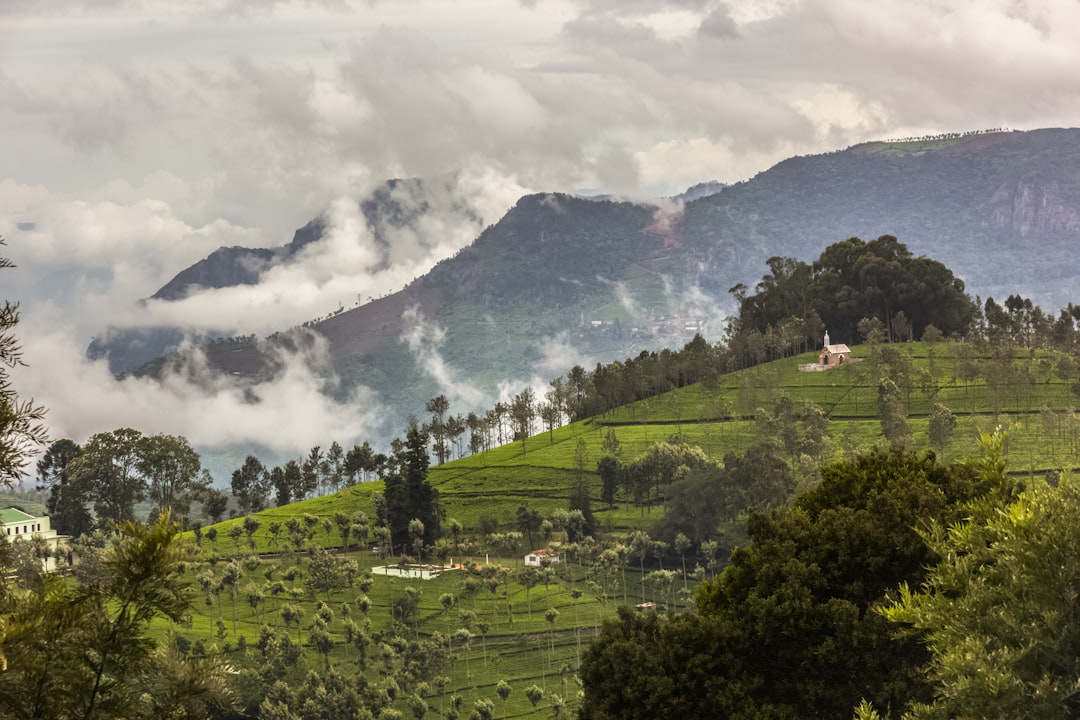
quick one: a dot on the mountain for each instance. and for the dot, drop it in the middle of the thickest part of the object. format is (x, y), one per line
(561, 279)
(391, 207)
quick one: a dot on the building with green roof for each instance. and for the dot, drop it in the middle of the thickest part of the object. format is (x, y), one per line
(18, 525)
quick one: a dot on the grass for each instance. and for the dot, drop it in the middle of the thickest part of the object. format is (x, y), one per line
(1022, 391)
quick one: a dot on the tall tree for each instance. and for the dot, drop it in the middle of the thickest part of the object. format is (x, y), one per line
(251, 485)
(522, 412)
(172, 471)
(335, 466)
(311, 473)
(21, 428)
(409, 495)
(67, 501)
(108, 469)
(436, 428)
(359, 462)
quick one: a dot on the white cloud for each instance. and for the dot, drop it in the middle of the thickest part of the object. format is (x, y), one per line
(287, 415)
(425, 339)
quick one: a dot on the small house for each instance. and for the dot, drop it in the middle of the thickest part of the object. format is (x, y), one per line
(538, 557)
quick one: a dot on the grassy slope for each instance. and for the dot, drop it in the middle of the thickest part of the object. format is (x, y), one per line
(495, 483)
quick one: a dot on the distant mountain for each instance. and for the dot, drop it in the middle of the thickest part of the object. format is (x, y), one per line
(394, 205)
(561, 277)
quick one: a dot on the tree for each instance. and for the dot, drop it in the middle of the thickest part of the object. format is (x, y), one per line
(250, 526)
(282, 488)
(998, 612)
(309, 479)
(344, 523)
(522, 412)
(609, 469)
(172, 471)
(893, 413)
(438, 407)
(108, 471)
(528, 522)
(535, 693)
(251, 485)
(942, 423)
(359, 461)
(67, 501)
(215, 503)
(334, 468)
(409, 495)
(643, 667)
(21, 428)
(86, 652)
(416, 537)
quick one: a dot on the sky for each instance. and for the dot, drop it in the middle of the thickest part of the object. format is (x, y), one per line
(136, 136)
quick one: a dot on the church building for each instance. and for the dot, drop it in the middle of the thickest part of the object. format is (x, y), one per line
(833, 355)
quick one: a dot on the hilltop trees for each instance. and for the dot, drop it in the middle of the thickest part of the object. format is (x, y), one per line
(850, 281)
(116, 469)
(251, 484)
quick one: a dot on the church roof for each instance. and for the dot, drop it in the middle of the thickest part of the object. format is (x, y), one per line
(838, 348)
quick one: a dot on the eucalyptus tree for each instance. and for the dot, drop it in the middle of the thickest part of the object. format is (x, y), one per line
(108, 469)
(172, 471)
(251, 485)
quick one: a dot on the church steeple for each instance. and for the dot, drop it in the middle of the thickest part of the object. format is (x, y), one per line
(827, 343)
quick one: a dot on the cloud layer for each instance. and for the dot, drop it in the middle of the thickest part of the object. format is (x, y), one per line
(139, 136)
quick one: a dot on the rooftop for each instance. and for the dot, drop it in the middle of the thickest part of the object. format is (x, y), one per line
(13, 515)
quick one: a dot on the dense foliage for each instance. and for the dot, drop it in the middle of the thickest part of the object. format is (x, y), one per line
(790, 626)
(852, 281)
(81, 650)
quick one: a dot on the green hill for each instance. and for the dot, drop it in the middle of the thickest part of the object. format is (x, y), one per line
(983, 387)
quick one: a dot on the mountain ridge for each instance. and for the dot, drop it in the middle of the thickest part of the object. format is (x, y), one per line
(608, 279)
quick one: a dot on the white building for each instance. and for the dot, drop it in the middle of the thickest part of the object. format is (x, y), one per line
(537, 557)
(18, 526)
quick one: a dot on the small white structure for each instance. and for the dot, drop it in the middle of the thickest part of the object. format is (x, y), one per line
(18, 525)
(831, 356)
(537, 557)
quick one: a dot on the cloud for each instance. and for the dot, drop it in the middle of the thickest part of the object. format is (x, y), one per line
(287, 414)
(424, 340)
